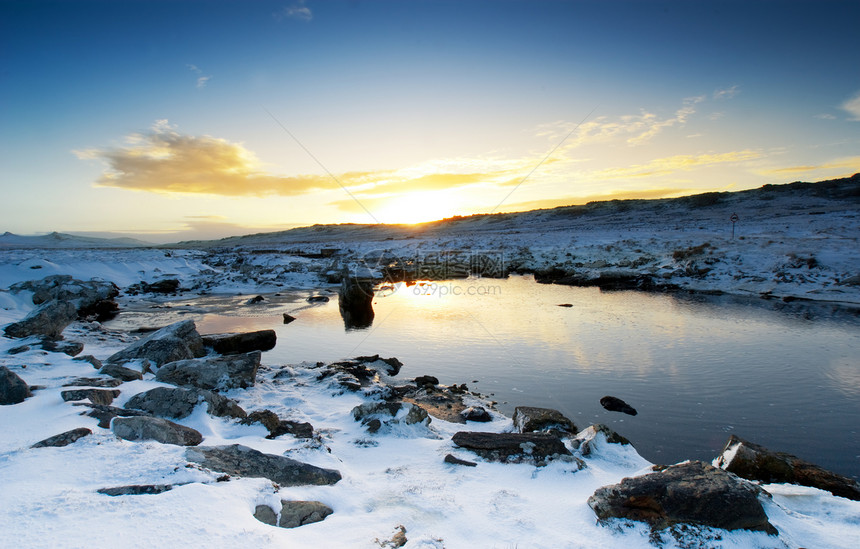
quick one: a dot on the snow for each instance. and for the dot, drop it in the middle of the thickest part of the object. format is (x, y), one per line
(49, 496)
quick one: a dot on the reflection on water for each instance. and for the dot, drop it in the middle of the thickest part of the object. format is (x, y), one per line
(696, 369)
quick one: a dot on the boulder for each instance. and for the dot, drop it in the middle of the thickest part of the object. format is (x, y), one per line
(166, 286)
(425, 381)
(614, 404)
(585, 439)
(13, 389)
(754, 462)
(688, 493)
(266, 515)
(233, 344)
(240, 460)
(299, 513)
(376, 414)
(355, 301)
(135, 489)
(48, 319)
(105, 413)
(178, 341)
(177, 403)
(288, 318)
(529, 419)
(278, 426)
(90, 298)
(213, 372)
(120, 372)
(96, 396)
(63, 439)
(155, 428)
(93, 382)
(512, 447)
(476, 413)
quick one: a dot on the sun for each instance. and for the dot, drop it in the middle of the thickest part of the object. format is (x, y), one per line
(417, 207)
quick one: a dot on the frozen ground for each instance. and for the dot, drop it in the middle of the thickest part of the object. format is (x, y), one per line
(48, 496)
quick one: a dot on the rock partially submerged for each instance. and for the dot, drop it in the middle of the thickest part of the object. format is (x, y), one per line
(614, 404)
(688, 493)
(13, 389)
(155, 428)
(237, 343)
(537, 448)
(754, 462)
(212, 372)
(177, 403)
(178, 341)
(240, 460)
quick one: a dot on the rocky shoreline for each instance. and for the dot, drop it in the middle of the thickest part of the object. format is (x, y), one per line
(193, 370)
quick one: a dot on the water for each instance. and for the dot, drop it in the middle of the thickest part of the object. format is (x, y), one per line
(697, 370)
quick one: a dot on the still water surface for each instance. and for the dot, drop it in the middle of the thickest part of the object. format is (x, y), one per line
(696, 370)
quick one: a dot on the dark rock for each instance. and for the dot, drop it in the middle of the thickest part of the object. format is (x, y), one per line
(18, 350)
(476, 413)
(233, 344)
(512, 447)
(389, 413)
(529, 419)
(288, 318)
(247, 462)
(48, 319)
(96, 363)
(155, 428)
(93, 382)
(585, 439)
(96, 396)
(266, 515)
(392, 365)
(355, 301)
(565, 305)
(299, 513)
(213, 372)
(277, 426)
(13, 389)
(166, 286)
(71, 348)
(754, 462)
(105, 413)
(255, 300)
(90, 298)
(63, 439)
(135, 489)
(120, 372)
(179, 341)
(453, 460)
(688, 493)
(318, 299)
(617, 405)
(177, 403)
(423, 381)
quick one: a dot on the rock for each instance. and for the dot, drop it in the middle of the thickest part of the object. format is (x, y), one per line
(155, 428)
(355, 301)
(266, 515)
(585, 439)
(754, 462)
(453, 460)
(288, 318)
(318, 299)
(397, 540)
(96, 396)
(388, 414)
(177, 403)
(233, 344)
(18, 350)
(390, 366)
(105, 413)
(255, 300)
(93, 382)
(213, 372)
(512, 447)
(48, 319)
(120, 372)
(13, 389)
(63, 439)
(528, 419)
(71, 348)
(178, 341)
(90, 298)
(166, 286)
(476, 413)
(424, 381)
(96, 363)
(135, 489)
(278, 426)
(617, 405)
(299, 513)
(247, 462)
(688, 493)
(566, 305)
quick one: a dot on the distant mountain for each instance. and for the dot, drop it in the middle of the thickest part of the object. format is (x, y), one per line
(61, 240)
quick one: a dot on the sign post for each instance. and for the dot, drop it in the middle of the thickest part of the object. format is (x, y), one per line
(734, 219)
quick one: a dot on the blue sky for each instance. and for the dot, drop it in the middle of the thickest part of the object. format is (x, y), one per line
(173, 119)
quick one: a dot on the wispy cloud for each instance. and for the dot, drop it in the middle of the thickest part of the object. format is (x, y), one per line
(851, 163)
(852, 107)
(726, 93)
(202, 79)
(297, 10)
(672, 164)
(825, 116)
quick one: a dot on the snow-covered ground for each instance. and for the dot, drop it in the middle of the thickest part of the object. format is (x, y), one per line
(785, 246)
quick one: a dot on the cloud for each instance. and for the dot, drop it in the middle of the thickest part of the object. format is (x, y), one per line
(726, 93)
(671, 164)
(852, 107)
(825, 116)
(166, 161)
(202, 79)
(297, 10)
(852, 163)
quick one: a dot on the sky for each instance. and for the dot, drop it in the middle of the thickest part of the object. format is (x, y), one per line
(193, 119)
